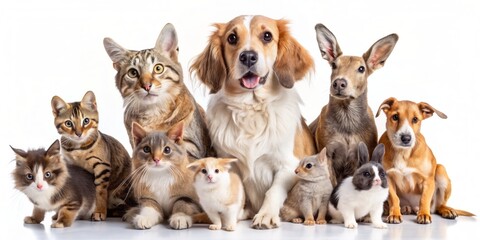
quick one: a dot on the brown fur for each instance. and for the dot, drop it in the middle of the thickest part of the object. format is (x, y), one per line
(85, 146)
(413, 170)
(347, 119)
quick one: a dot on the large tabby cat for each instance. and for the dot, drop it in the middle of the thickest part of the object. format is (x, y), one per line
(154, 94)
(84, 145)
(162, 183)
(52, 185)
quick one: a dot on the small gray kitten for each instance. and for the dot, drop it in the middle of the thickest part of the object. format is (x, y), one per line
(363, 193)
(311, 193)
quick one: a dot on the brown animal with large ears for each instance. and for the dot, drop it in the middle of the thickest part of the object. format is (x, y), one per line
(250, 65)
(417, 184)
(347, 119)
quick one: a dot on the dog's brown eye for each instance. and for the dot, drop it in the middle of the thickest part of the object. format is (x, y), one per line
(334, 66)
(232, 39)
(361, 69)
(415, 120)
(395, 117)
(267, 36)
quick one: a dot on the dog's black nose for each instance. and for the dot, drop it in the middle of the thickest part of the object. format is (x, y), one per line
(406, 139)
(339, 84)
(248, 58)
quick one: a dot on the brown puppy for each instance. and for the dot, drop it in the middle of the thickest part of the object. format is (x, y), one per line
(347, 119)
(416, 182)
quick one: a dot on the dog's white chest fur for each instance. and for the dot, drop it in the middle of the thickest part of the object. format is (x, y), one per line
(260, 134)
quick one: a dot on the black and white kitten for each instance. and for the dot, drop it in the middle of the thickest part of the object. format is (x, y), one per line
(363, 193)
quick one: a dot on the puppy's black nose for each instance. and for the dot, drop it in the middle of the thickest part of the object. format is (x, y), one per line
(339, 84)
(406, 139)
(248, 58)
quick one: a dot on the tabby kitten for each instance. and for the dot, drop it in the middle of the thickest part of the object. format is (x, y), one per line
(154, 94)
(52, 185)
(84, 145)
(161, 182)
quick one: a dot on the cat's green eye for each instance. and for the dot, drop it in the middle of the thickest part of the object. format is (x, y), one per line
(158, 68)
(204, 171)
(133, 73)
(86, 121)
(147, 149)
(48, 174)
(68, 123)
(167, 150)
(29, 176)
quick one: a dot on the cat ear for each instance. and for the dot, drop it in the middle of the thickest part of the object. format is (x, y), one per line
(116, 52)
(89, 101)
(58, 105)
(322, 156)
(378, 153)
(176, 133)
(362, 153)
(138, 133)
(227, 162)
(21, 155)
(193, 166)
(167, 41)
(54, 149)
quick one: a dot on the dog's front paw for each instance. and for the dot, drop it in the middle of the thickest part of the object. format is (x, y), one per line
(395, 219)
(265, 221)
(447, 212)
(180, 221)
(424, 218)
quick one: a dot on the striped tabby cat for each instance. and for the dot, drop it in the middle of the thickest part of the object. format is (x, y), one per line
(162, 183)
(155, 96)
(52, 185)
(84, 145)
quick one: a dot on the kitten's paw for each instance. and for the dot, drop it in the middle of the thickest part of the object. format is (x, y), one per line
(229, 228)
(265, 221)
(30, 220)
(214, 227)
(297, 220)
(380, 225)
(321, 221)
(143, 222)
(309, 222)
(351, 225)
(98, 216)
(180, 221)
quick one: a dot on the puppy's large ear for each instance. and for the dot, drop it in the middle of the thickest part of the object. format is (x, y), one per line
(327, 42)
(428, 111)
(378, 53)
(210, 66)
(293, 60)
(386, 105)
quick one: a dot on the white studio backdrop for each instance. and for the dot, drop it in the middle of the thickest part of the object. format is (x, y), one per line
(52, 48)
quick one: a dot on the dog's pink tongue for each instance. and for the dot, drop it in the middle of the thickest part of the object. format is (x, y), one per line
(250, 81)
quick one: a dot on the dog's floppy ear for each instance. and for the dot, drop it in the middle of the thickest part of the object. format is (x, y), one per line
(209, 66)
(327, 42)
(293, 61)
(386, 105)
(428, 111)
(378, 53)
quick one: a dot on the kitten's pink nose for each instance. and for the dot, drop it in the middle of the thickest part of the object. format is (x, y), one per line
(147, 86)
(39, 186)
(157, 161)
(210, 177)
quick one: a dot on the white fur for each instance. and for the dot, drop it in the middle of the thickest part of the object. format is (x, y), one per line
(258, 128)
(147, 218)
(159, 182)
(41, 197)
(354, 204)
(404, 129)
(214, 196)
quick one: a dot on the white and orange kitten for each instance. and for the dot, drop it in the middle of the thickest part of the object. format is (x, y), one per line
(220, 192)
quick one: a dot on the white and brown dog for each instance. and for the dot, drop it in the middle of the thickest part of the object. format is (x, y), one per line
(417, 184)
(250, 66)
(347, 119)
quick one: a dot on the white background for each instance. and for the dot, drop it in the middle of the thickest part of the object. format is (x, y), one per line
(52, 48)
